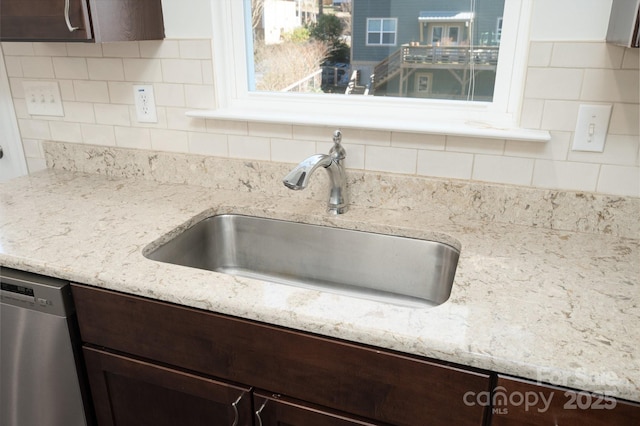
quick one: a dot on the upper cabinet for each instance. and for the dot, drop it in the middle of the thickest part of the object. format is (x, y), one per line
(624, 23)
(81, 20)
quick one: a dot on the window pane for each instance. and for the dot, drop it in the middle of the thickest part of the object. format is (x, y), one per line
(299, 47)
(389, 25)
(374, 24)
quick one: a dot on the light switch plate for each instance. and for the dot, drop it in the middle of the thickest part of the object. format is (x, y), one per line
(591, 128)
(145, 103)
(43, 98)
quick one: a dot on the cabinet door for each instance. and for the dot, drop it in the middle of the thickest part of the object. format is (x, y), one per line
(22, 20)
(519, 402)
(276, 410)
(130, 392)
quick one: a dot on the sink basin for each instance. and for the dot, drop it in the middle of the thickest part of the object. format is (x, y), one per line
(381, 267)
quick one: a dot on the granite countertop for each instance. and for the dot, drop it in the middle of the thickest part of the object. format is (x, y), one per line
(550, 305)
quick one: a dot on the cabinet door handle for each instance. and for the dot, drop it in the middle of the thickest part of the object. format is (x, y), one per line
(66, 17)
(235, 409)
(260, 411)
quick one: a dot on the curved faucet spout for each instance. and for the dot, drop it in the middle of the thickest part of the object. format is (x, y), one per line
(298, 178)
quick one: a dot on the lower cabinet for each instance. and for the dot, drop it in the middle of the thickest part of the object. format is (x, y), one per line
(519, 402)
(133, 392)
(155, 363)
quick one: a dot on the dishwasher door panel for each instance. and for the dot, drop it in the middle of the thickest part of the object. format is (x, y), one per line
(40, 385)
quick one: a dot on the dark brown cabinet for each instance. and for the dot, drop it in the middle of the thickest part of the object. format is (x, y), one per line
(319, 381)
(128, 391)
(276, 410)
(519, 402)
(81, 20)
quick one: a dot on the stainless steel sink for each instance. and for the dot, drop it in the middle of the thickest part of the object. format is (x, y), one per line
(375, 266)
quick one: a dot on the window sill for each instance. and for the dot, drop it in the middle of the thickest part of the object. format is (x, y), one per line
(410, 124)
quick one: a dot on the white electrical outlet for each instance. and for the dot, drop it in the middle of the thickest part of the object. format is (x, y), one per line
(591, 128)
(43, 98)
(145, 103)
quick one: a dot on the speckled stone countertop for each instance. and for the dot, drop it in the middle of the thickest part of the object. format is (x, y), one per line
(557, 306)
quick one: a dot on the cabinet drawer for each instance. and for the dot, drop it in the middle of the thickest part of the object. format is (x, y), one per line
(523, 403)
(368, 382)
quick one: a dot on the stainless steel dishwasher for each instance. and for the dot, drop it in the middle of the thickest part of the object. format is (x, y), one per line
(40, 385)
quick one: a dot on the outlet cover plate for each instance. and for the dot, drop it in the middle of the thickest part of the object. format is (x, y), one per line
(43, 98)
(145, 103)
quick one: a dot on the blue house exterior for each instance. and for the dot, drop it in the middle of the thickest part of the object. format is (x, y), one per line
(427, 48)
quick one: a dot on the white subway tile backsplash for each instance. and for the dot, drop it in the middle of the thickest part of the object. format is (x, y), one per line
(121, 92)
(418, 141)
(13, 65)
(199, 96)
(98, 134)
(619, 180)
(605, 85)
(553, 83)
(560, 115)
(49, 49)
(195, 49)
(36, 164)
(208, 144)
(249, 147)
(625, 119)
(117, 115)
(159, 49)
(502, 169)
(17, 48)
(133, 137)
(451, 165)
(271, 130)
(34, 129)
(388, 159)
(587, 55)
(565, 175)
(70, 68)
(291, 151)
(169, 140)
(91, 91)
(143, 70)
(96, 86)
(110, 69)
(123, 49)
(186, 71)
(540, 54)
(79, 112)
(65, 132)
(618, 149)
(84, 49)
(169, 94)
(37, 67)
(474, 145)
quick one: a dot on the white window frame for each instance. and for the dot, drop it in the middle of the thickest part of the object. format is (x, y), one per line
(382, 32)
(497, 119)
(429, 76)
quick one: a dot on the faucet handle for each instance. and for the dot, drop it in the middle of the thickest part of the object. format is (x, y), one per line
(337, 137)
(337, 151)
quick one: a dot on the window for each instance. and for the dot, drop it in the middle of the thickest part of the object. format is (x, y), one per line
(381, 31)
(423, 82)
(496, 119)
(499, 30)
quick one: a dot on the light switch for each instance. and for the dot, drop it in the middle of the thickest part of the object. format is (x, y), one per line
(43, 98)
(591, 128)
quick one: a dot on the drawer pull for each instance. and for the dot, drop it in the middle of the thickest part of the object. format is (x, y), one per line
(260, 411)
(66, 17)
(235, 409)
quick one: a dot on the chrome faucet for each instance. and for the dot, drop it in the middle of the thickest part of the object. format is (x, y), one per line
(298, 178)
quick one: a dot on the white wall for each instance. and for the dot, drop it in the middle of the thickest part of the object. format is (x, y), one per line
(570, 20)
